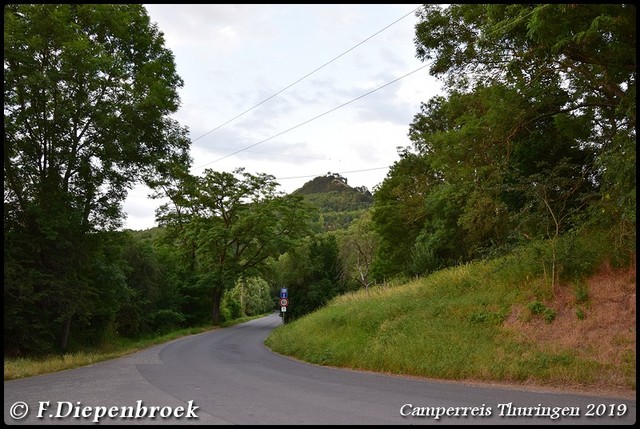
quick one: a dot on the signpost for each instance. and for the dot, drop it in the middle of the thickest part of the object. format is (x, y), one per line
(284, 301)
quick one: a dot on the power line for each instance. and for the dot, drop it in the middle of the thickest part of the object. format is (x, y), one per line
(304, 77)
(314, 118)
(276, 154)
(317, 117)
(339, 172)
(315, 175)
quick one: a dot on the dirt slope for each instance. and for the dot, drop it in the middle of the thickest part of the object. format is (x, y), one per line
(605, 332)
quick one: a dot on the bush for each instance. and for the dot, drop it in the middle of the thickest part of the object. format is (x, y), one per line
(164, 321)
(538, 308)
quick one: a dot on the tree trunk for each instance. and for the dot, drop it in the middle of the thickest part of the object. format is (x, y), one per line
(217, 297)
(66, 326)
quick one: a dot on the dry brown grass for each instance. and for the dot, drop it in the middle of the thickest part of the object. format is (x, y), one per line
(606, 334)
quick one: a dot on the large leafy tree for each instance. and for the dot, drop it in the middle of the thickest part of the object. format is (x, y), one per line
(537, 127)
(357, 249)
(492, 146)
(87, 94)
(230, 224)
(151, 301)
(399, 212)
(583, 54)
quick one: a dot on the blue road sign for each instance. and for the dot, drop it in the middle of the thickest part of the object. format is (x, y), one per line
(284, 293)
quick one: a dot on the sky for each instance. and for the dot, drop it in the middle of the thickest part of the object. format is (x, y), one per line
(292, 90)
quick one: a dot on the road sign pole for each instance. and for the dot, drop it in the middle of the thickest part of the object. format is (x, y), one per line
(284, 301)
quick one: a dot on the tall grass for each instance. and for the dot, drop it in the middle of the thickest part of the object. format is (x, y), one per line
(449, 325)
(440, 326)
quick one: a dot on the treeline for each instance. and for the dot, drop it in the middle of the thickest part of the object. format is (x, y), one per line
(534, 140)
(88, 90)
(535, 137)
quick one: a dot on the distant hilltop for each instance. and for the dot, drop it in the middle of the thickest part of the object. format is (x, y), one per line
(333, 182)
(338, 203)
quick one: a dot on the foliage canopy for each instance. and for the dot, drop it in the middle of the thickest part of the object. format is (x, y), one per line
(535, 136)
(87, 94)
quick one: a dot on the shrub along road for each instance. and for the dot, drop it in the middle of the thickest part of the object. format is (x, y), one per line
(228, 376)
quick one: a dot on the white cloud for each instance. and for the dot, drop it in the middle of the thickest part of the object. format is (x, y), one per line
(232, 57)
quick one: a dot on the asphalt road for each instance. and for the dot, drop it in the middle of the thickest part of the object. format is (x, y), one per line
(228, 376)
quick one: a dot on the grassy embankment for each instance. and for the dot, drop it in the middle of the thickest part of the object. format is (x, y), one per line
(495, 321)
(109, 349)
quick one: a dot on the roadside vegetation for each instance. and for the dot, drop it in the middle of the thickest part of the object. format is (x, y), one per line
(111, 348)
(491, 321)
(474, 258)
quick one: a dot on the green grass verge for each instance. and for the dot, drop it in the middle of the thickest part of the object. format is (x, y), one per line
(448, 325)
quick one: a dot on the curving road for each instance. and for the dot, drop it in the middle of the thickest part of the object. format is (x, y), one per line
(228, 376)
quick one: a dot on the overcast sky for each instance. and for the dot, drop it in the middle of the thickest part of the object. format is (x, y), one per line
(308, 69)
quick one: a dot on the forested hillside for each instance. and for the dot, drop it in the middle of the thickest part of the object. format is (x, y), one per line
(337, 202)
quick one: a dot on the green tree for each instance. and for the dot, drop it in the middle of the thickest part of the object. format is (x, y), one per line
(312, 273)
(357, 249)
(182, 294)
(535, 128)
(491, 146)
(87, 94)
(232, 223)
(249, 297)
(151, 301)
(399, 212)
(584, 54)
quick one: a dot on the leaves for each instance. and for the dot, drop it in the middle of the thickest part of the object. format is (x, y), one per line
(87, 92)
(231, 223)
(540, 107)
